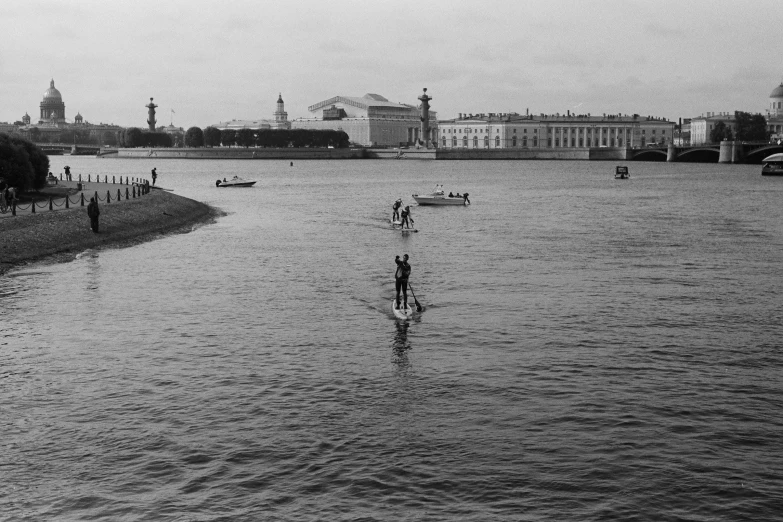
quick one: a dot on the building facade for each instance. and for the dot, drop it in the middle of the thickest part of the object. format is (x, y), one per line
(52, 106)
(552, 131)
(775, 114)
(371, 120)
(702, 126)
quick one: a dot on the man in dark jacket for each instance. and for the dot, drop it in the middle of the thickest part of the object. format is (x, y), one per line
(401, 280)
(93, 212)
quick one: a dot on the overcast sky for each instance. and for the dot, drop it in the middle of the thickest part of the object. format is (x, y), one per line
(211, 61)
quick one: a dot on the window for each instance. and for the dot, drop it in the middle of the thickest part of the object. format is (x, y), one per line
(524, 141)
(443, 142)
(535, 141)
(514, 140)
(465, 141)
(454, 142)
(497, 142)
(475, 142)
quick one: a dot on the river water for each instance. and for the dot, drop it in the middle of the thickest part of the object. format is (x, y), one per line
(589, 349)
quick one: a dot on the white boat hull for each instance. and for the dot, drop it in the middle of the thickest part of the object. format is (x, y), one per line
(438, 200)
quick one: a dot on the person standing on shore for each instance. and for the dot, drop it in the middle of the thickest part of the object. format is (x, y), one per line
(154, 175)
(68, 173)
(401, 280)
(93, 212)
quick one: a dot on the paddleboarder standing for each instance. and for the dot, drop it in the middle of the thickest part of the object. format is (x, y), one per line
(405, 215)
(401, 280)
(396, 210)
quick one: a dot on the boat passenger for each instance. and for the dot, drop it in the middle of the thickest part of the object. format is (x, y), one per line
(396, 210)
(465, 195)
(451, 195)
(405, 215)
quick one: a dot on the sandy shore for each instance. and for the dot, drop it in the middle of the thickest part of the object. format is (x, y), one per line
(62, 234)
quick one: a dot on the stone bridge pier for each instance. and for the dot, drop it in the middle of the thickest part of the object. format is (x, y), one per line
(731, 152)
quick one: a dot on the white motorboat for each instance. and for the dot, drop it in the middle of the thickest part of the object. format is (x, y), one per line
(236, 181)
(773, 165)
(439, 197)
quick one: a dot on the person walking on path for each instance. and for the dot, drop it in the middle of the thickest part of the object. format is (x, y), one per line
(154, 175)
(396, 210)
(93, 212)
(401, 280)
(406, 214)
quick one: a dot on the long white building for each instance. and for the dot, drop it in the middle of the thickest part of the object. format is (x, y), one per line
(552, 131)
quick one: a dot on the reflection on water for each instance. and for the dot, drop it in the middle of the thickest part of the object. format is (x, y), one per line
(400, 344)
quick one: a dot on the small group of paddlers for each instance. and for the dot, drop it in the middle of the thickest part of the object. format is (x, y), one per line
(403, 218)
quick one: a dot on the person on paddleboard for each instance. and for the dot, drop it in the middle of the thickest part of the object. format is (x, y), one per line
(406, 214)
(396, 210)
(401, 280)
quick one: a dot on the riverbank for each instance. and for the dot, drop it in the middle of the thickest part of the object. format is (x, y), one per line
(62, 234)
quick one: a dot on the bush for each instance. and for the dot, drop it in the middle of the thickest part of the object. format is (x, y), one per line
(22, 163)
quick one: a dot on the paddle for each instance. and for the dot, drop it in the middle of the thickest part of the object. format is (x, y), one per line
(418, 306)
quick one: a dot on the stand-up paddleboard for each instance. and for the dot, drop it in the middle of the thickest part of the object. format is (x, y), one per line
(409, 230)
(402, 313)
(396, 223)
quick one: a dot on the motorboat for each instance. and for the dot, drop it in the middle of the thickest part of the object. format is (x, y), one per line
(236, 181)
(621, 172)
(438, 197)
(773, 165)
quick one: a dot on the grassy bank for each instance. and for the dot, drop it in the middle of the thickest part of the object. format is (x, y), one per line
(63, 234)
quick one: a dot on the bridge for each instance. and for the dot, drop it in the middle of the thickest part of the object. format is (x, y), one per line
(725, 152)
(69, 148)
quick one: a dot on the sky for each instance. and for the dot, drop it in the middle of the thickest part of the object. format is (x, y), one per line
(212, 61)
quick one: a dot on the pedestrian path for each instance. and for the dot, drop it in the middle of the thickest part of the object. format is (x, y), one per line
(68, 195)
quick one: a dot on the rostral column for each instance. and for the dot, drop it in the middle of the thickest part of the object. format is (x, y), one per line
(425, 118)
(151, 121)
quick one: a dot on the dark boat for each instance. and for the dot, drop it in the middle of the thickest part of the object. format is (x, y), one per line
(773, 165)
(621, 172)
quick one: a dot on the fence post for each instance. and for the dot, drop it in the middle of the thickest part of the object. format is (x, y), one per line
(127, 193)
(67, 201)
(88, 178)
(114, 179)
(32, 204)
(119, 195)
(108, 197)
(82, 198)
(106, 178)
(13, 207)
(50, 203)
(80, 177)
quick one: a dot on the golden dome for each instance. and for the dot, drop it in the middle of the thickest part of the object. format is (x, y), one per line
(52, 93)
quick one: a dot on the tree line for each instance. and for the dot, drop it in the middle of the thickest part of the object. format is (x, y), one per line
(135, 137)
(750, 127)
(277, 138)
(22, 163)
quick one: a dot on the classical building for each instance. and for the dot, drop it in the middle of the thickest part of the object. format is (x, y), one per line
(553, 131)
(52, 106)
(702, 126)
(775, 114)
(370, 120)
(280, 120)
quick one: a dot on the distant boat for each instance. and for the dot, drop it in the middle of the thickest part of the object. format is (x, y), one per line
(621, 172)
(773, 165)
(438, 197)
(236, 181)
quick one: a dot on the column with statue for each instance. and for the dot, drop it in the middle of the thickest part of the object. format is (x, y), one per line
(425, 118)
(151, 121)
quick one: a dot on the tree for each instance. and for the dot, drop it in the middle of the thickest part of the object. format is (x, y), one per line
(22, 163)
(228, 137)
(751, 127)
(194, 137)
(211, 137)
(246, 137)
(720, 132)
(130, 137)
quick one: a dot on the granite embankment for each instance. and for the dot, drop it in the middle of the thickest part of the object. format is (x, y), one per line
(62, 234)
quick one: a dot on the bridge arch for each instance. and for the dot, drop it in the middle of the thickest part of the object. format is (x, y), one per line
(650, 155)
(758, 155)
(699, 155)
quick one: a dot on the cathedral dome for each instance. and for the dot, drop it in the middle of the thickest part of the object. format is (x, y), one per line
(778, 92)
(52, 93)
